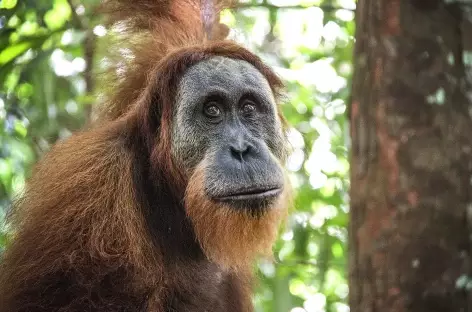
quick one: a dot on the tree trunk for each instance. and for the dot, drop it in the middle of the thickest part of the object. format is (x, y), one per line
(411, 161)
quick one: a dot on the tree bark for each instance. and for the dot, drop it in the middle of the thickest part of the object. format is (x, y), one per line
(411, 158)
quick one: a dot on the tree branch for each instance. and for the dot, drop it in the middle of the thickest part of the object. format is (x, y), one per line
(208, 16)
(76, 20)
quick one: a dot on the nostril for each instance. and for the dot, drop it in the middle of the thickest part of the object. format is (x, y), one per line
(236, 154)
(240, 152)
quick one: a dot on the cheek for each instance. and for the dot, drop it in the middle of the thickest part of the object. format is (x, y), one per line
(277, 142)
(188, 146)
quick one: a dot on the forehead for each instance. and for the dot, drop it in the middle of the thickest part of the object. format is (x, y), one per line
(224, 74)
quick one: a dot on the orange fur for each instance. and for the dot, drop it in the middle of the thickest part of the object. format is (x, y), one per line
(233, 239)
(79, 215)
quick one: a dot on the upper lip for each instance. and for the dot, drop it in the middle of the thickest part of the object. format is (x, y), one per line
(251, 193)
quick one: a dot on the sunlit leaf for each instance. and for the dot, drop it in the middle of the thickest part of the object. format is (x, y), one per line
(59, 15)
(14, 51)
(7, 4)
(20, 129)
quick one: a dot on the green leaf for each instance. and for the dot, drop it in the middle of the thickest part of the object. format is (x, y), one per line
(59, 15)
(14, 51)
(7, 4)
(5, 37)
(20, 129)
(6, 172)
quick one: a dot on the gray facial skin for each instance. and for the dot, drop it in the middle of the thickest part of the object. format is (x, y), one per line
(226, 114)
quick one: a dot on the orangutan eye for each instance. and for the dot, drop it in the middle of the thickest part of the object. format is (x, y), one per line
(248, 108)
(212, 110)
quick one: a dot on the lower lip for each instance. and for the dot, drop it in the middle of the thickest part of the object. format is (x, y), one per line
(256, 196)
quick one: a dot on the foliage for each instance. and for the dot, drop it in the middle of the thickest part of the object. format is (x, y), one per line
(45, 70)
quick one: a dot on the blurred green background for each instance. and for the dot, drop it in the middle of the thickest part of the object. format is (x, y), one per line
(49, 50)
